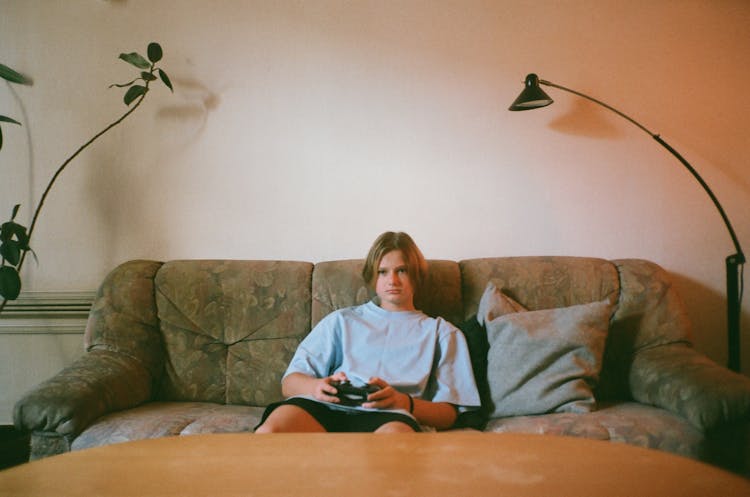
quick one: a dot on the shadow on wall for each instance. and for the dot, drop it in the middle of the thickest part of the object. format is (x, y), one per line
(586, 119)
(198, 101)
(707, 311)
(110, 178)
(115, 177)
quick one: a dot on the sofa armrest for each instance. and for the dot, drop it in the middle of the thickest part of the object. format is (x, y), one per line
(680, 379)
(97, 383)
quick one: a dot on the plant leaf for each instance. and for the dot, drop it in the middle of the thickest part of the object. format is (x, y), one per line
(15, 211)
(154, 52)
(6, 232)
(23, 240)
(36, 259)
(7, 119)
(10, 229)
(11, 251)
(135, 59)
(133, 93)
(9, 74)
(147, 76)
(166, 80)
(10, 283)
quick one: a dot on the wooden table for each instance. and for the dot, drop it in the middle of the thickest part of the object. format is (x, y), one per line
(452, 464)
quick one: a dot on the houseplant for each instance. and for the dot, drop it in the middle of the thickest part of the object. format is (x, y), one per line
(14, 237)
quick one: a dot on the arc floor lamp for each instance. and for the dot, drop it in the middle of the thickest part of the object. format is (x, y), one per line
(533, 97)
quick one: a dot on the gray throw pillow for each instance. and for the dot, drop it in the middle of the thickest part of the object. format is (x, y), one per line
(543, 361)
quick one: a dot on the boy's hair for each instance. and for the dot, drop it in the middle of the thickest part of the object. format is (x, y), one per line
(387, 242)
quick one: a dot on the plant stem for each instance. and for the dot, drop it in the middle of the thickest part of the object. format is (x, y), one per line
(60, 170)
(65, 164)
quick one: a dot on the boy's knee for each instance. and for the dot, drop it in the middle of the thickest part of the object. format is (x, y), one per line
(264, 428)
(395, 427)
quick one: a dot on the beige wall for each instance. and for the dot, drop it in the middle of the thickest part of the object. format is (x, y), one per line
(301, 130)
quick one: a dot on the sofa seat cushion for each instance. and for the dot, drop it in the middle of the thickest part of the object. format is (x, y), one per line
(628, 422)
(162, 419)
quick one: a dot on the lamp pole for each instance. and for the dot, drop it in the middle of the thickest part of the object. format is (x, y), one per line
(533, 97)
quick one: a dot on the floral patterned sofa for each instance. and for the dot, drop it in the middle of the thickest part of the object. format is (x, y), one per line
(184, 347)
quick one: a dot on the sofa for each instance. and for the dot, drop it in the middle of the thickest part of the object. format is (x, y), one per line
(199, 346)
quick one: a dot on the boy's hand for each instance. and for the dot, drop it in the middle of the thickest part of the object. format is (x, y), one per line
(387, 397)
(324, 390)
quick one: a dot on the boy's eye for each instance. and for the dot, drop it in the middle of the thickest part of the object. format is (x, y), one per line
(401, 270)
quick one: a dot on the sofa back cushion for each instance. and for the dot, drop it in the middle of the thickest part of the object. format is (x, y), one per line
(224, 331)
(648, 313)
(540, 282)
(123, 316)
(230, 327)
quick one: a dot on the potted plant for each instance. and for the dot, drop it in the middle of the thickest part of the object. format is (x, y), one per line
(14, 237)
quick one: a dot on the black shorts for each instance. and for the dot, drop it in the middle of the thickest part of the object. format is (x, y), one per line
(340, 421)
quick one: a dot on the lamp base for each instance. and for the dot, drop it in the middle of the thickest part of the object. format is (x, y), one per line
(734, 264)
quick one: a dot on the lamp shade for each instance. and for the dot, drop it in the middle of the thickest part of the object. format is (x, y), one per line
(532, 96)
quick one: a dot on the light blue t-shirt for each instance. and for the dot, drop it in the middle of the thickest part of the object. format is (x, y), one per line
(425, 357)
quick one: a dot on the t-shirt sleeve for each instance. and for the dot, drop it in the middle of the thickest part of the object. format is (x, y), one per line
(320, 352)
(454, 377)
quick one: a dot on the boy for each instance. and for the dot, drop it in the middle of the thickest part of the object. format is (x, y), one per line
(420, 365)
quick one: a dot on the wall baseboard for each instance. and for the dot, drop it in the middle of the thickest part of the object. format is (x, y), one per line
(47, 313)
(40, 334)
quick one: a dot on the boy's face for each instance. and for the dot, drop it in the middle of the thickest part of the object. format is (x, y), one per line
(393, 284)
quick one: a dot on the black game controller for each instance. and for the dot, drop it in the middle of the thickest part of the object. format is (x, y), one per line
(351, 395)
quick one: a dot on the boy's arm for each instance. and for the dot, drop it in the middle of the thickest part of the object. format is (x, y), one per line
(441, 415)
(320, 388)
